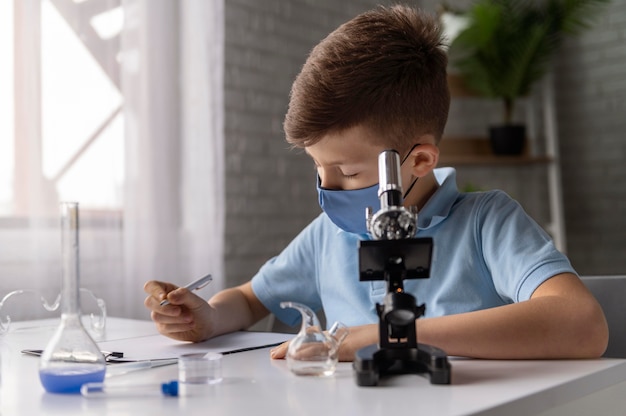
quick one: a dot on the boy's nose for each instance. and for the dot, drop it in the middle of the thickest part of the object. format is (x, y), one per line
(326, 179)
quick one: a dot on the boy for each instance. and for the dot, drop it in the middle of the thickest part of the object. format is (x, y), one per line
(498, 287)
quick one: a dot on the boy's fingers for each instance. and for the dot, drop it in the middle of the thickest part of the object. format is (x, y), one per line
(279, 351)
(182, 296)
(155, 306)
(158, 290)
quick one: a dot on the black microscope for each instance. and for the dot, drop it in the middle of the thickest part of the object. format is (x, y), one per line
(393, 256)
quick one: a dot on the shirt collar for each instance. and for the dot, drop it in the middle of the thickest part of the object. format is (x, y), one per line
(439, 205)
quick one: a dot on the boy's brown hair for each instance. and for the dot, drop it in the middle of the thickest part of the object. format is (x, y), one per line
(385, 69)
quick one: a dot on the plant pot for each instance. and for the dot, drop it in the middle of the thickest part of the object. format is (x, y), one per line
(508, 139)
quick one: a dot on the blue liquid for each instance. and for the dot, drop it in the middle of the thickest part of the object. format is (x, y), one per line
(69, 380)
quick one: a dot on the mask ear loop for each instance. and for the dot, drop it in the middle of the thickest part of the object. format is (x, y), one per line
(410, 187)
(416, 178)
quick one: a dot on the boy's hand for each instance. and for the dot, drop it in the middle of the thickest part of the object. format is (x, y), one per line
(186, 318)
(358, 337)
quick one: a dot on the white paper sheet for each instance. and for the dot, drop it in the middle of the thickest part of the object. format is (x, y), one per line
(157, 347)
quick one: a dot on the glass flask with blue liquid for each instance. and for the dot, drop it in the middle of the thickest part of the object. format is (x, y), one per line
(71, 357)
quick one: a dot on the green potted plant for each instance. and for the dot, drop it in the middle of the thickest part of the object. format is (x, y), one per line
(507, 45)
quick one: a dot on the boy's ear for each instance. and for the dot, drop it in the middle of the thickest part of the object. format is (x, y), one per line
(423, 158)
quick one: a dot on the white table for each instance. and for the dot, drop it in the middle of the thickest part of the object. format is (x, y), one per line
(256, 385)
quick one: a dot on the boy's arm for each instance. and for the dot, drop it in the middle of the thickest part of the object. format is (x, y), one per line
(236, 309)
(190, 318)
(561, 320)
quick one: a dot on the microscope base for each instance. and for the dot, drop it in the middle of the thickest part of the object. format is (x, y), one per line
(371, 363)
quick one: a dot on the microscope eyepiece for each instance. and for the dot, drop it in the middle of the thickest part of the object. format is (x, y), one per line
(393, 221)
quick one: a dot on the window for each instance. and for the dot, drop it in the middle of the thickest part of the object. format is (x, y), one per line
(61, 138)
(6, 107)
(71, 99)
(64, 136)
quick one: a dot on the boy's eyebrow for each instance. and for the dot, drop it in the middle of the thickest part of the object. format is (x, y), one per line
(331, 163)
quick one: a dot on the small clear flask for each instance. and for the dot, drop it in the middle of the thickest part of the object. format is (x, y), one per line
(314, 352)
(71, 357)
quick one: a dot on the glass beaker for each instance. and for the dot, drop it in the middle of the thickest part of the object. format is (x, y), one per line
(71, 357)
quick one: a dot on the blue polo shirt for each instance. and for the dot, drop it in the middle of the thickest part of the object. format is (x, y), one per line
(487, 252)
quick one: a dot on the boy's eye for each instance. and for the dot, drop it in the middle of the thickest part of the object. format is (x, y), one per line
(343, 175)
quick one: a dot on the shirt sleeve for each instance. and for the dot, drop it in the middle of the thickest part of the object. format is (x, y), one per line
(519, 254)
(291, 276)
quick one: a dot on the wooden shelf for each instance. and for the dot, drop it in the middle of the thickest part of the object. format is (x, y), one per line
(477, 151)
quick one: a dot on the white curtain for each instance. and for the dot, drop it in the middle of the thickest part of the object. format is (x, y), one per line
(171, 224)
(172, 82)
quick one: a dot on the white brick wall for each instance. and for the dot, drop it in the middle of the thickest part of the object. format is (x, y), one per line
(591, 104)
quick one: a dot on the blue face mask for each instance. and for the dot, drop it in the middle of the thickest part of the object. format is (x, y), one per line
(346, 209)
